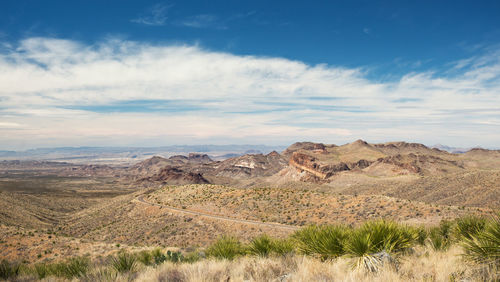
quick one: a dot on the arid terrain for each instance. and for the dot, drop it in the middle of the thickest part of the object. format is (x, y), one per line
(54, 210)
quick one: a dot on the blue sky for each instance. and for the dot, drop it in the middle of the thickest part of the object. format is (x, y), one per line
(148, 73)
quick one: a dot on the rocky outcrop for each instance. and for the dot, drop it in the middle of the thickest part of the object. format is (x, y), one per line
(251, 165)
(199, 158)
(173, 175)
(311, 165)
(307, 146)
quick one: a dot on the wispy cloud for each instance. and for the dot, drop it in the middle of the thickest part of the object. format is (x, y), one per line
(202, 21)
(155, 15)
(64, 92)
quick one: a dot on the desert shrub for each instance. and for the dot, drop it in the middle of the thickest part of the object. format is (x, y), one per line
(440, 236)
(73, 267)
(282, 247)
(261, 246)
(264, 246)
(360, 246)
(226, 248)
(9, 270)
(174, 256)
(484, 246)
(468, 226)
(437, 241)
(41, 270)
(389, 236)
(376, 242)
(145, 257)
(324, 241)
(124, 262)
(192, 257)
(422, 235)
(158, 256)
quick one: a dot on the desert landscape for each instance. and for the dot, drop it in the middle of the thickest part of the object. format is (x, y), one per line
(249, 141)
(55, 211)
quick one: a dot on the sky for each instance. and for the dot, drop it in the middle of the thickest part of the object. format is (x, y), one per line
(149, 73)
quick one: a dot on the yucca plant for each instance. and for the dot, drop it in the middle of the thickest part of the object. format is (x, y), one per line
(360, 247)
(484, 246)
(76, 267)
(9, 270)
(73, 267)
(440, 236)
(324, 241)
(226, 248)
(390, 236)
(264, 246)
(376, 242)
(261, 246)
(422, 235)
(469, 226)
(145, 257)
(282, 247)
(41, 270)
(124, 262)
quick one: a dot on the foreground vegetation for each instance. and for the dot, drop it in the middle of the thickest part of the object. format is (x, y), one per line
(466, 248)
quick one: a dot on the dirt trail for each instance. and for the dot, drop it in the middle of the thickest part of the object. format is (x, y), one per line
(219, 217)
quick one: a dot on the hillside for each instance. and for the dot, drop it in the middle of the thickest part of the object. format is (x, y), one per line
(191, 200)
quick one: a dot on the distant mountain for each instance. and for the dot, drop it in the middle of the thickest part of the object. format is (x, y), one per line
(454, 150)
(129, 155)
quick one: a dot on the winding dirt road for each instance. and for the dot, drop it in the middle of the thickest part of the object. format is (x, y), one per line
(219, 217)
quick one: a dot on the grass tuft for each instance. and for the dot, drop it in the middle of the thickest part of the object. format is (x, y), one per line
(9, 270)
(124, 262)
(484, 246)
(265, 246)
(326, 241)
(226, 248)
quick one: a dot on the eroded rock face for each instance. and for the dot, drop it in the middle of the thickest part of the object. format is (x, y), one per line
(251, 165)
(173, 175)
(311, 165)
(308, 146)
(199, 158)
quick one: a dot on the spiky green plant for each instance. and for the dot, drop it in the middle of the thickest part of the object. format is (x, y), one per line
(264, 246)
(158, 256)
(73, 267)
(124, 262)
(174, 257)
(440, 236)
(261, 246)
(468, 226)
(360, 247)
(437, 241)
(282, 247)
(226, 247)
(41, 270)
(145, 257)
(422, 235)
(484, 246)
(376, 242)
(9, 270)
(325, 241)
(390, 236)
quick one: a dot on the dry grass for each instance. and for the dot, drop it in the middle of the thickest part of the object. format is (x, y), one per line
(423, 265)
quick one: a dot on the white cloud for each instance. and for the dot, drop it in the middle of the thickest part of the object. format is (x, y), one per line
(202, 21)
(113, 92)
(154, 16)
(9, 125)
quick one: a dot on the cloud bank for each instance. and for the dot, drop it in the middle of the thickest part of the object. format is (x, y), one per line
(56, 92)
